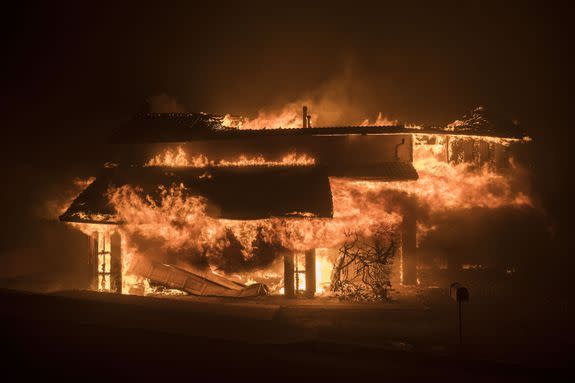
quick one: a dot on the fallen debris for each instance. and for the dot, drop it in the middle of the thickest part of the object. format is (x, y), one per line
(202, 283)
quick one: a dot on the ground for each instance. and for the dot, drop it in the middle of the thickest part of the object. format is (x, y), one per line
(71, 333)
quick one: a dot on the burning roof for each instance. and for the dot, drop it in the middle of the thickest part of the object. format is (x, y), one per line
(187, 189)
(185, 127)
(485, 122)
(232, 193)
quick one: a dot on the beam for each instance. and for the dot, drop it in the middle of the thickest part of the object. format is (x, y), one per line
(310, 273)
(93, 262)
(116, 262)
(409, 242)
(289, 287)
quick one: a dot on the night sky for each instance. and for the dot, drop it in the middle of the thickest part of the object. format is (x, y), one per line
(72, 74)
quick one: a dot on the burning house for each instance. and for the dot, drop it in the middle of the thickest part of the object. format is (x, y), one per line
(211, 206)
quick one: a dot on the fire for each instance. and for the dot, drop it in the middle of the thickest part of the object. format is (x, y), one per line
(171, 158)
(289, 117)
(444, 185)
(179, 158)
(323, 266)
(379, 121)
(179, 225)
(179, 221)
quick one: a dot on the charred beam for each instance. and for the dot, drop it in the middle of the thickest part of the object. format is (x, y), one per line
(116, 263)
(289, 277)
(409, 242)
(310, 273)
(93, 262)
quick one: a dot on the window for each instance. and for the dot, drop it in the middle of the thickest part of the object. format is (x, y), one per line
(104, 262)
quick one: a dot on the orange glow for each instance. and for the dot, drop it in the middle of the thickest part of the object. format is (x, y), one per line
(179, 221)
(379, 121)
(179, 158)
(288, 117)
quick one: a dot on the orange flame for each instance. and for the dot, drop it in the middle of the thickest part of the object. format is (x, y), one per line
(289, 117)
(381, 120)
(179, 158)
(179, 221)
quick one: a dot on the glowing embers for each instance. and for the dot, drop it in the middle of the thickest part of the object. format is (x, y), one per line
(179, 158)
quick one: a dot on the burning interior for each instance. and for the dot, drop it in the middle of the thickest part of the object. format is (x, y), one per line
(217, 206)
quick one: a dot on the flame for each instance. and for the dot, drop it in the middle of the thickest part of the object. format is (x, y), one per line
(173, 158)
(178, 221)
(379, 121)
(444, 185)
(179, 158)
(288, 117)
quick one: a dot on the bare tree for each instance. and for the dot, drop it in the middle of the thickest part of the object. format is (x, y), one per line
(363, 268)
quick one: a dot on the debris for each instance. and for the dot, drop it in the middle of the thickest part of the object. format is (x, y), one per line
(200, 283)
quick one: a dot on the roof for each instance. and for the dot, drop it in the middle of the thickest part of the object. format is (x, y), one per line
(232, 193)
(184, 127)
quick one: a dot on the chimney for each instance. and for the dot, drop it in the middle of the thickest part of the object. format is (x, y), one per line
(305, 121)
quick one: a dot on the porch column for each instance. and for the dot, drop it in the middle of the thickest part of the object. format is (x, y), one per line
(310, 273)
(409, 242)
(289, 288)
(93, 262)
(116, 262)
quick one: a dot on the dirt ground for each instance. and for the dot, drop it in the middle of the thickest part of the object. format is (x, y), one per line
(71, 332)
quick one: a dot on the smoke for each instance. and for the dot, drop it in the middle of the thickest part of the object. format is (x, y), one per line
(176, 228)
(60, 198)
(343, 99)
(37, 251)
(162, 103)
(173, 226)
(338, 101)
(502, 237)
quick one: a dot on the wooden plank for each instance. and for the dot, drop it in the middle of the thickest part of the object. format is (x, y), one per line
(211, 277)
(177, 278)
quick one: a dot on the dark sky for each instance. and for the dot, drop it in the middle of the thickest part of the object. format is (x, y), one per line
(421, 63)
(72, 73)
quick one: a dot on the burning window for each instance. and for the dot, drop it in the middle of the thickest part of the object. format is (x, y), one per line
(299, 272)
(104, 262)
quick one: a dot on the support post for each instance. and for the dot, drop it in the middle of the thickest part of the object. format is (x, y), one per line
(310, 273)
(116, 262)
(409, 242)
(93, 262)
(289, 288)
